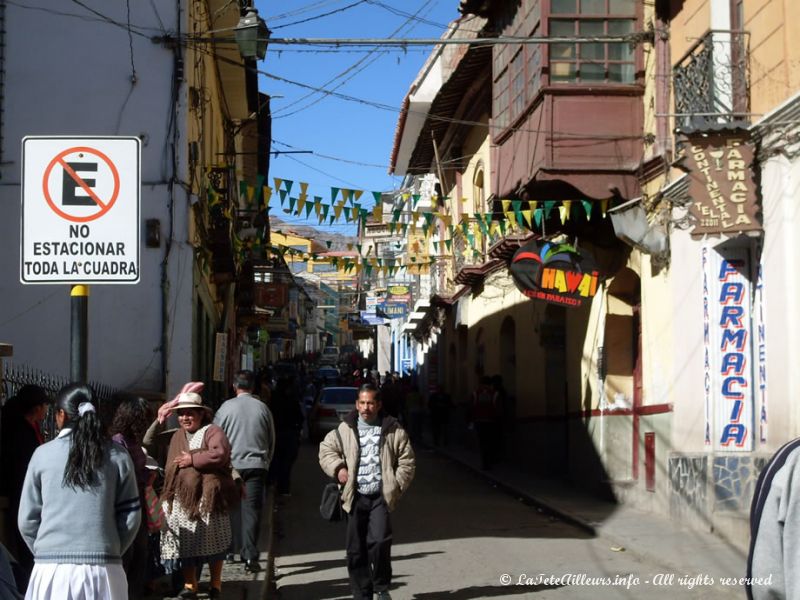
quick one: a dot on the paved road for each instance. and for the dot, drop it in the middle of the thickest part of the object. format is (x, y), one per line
(455, 537)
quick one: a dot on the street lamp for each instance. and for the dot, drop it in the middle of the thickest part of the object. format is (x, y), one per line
(251, 35)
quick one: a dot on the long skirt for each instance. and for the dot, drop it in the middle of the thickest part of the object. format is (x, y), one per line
(52, 581)
(207, 537)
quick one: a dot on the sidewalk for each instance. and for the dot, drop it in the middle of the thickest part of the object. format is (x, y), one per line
(651, 537)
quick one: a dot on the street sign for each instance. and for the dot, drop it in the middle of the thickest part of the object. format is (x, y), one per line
(80, 210)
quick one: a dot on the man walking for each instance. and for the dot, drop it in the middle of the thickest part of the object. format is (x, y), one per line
(248, 423)
(373, 459)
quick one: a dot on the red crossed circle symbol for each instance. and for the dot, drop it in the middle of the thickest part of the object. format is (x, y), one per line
(104, 206)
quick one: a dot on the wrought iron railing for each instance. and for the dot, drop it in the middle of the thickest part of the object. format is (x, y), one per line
(712, 82)
(16, 376)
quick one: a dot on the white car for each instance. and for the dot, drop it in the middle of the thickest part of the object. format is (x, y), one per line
(330, 355)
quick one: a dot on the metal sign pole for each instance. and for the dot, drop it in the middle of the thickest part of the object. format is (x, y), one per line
(79, 329)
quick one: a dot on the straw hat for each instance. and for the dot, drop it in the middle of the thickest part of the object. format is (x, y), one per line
(190, 400)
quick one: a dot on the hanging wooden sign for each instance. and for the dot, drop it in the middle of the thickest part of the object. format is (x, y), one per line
(721, 185)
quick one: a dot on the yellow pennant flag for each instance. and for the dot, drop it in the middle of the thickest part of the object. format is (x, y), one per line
(267, 194)
(301, 202)
(562, 212)
(357, 194)
(377, 213)
(337, 211)
(527, 214)
(506, 205)
(494, 229)
(303, 189)
(604, 206)
(278, 183)
(349, 246)
(568, 205)
(463, 199)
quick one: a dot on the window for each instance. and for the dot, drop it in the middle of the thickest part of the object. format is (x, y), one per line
(592, 63)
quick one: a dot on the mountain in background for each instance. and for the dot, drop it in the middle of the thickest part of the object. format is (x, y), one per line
(338, 241)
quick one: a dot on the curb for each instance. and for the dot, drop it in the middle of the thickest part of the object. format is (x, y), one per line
(526, 498)
(269, 576)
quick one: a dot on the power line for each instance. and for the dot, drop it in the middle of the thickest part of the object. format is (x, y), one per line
(301, 10)
(336, 158)
(321, 16)
(359, 65)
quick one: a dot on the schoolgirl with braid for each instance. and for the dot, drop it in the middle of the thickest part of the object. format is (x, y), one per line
(80, 507)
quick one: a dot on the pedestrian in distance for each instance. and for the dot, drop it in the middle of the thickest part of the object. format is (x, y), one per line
(198, 494)
(288, 426)
(485, 416)
(131, 419)
(249, 426)
(80, 508)
(374, 463)
(21, 436)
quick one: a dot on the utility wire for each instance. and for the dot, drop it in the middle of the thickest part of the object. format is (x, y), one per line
(359, 65)
(301, 10)
(336, 158)
(321, 16)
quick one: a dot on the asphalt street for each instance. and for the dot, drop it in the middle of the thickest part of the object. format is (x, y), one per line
(457, 537)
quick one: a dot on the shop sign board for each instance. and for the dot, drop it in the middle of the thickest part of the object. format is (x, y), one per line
(722, 185)
(555, 273)
(80, 210)
(728, 343)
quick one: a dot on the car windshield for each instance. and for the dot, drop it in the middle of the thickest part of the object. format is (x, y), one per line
(339, 396)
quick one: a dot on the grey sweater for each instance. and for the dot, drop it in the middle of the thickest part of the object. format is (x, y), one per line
(74, 526)
(248, 424)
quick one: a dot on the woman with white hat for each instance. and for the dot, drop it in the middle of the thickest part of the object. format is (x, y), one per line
(198, 493)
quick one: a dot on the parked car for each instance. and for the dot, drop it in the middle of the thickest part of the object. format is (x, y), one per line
(328, 375)
(331, 406)
(329, 356)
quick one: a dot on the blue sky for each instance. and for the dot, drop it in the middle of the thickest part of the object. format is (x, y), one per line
(332, 126)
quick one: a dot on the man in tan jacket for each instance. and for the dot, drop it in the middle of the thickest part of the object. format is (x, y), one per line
(375, 464)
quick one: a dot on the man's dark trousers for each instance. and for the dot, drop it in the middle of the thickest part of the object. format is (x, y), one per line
(246, 517)
(369, 546)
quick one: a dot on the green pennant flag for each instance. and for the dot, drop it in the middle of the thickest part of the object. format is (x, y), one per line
(537, 217)
(325, 209)
(328, 243)
(391, 228)
(291, 203)
(335, 261)
(436, 246)
(347, 210)
(503, 224)
(377, 196)
(587, 206)
(414, 200)
(334, 193)
(283, 194)
(517, 206)
(471, 239)
(448, 244)
(332, 219)
(309, 208)
(428, 218)
(482, 224)
(368, 269)
(259, 187)
(405, 228)
(548, 207)
(358, 247)
(396, 215)
(465, 227)
(289, 185)
(243, 189)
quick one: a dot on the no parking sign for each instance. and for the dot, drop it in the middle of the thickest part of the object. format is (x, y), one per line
(80, 210)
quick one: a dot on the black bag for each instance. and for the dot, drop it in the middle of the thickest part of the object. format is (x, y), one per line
(330, 506)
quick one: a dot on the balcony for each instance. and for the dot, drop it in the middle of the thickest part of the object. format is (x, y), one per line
(712, 83)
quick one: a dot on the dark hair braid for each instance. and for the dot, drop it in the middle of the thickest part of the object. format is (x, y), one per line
(89, 443)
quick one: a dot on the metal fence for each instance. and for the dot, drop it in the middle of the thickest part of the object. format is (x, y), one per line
(16, 376)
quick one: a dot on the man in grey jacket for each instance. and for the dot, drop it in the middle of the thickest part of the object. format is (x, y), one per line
(248, 424)
(773, 563)
(374, 462)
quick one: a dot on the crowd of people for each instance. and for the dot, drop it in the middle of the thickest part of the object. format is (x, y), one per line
(111, 507)
(106, 510)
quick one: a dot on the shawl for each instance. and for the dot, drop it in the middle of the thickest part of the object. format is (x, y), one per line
(199, 492)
